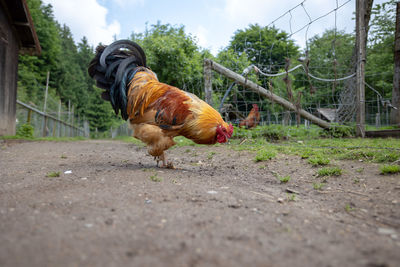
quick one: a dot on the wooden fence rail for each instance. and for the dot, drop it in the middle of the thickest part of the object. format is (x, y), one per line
(266, 93)
(57, 124)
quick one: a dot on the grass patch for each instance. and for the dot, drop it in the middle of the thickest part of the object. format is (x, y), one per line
(318, 186)
(264, 155)
(211, 155)
(348, 208)
(318, 161)
(53, 174)
(182, 141)
(155, 178)
(278, 132)
(284, 179)
(291, 197)
(334, 171)
(390, 169)
(130, 139)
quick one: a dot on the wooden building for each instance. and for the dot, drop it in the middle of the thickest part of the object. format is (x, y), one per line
(17, 35)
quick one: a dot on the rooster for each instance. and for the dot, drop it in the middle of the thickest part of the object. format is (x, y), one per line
(252, 119)
(157, 112)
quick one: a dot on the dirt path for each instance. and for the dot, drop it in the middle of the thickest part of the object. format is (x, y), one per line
(218, 209)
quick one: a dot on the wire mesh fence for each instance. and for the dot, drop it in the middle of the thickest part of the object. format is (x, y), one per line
(47, 125)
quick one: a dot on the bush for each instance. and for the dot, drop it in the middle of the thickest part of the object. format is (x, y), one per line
(25, 131)
(339, 131)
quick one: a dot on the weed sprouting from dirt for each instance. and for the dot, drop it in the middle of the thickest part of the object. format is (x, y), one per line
(291, 197)
(360, 170)
(155, 178)
(284, 179)
(211, 155)
(348, 208)
(53, 174)
(318, 186)
(333, 171)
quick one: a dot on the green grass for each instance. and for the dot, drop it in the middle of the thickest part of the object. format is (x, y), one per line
(53, 174)
(318, 186)
(291, 197)
(318, 161)
(264, 155)
(130, 139)
(348, 208)
(284, 179)
(317, 146)
(390, 169)
(333, 171)
(155, 178)
(211, 155)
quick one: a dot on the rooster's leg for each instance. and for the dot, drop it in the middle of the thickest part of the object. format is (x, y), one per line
(166, 164)
(157, 158)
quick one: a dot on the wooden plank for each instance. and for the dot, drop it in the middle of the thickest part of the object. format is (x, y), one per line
(268, 94)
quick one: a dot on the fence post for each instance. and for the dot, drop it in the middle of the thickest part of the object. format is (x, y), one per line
(69, 118)
(72, 121)
(395, 113)
(360, 73)
(59, 118)
(208, 81)
(28, 120)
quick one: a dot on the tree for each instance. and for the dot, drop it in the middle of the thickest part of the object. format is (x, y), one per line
(33, 69)
(329, 58)
(264, 46)
(380, 51)
(172, 54)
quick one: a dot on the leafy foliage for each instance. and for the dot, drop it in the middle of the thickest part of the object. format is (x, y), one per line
(25, 131)
(173, 55)
(257, 41)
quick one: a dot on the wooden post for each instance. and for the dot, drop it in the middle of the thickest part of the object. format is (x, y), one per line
(28, 120)
(277, 99)
(72, 122)
(59, 118)
(395, 113)
(360, 72)
(378, 114)
(208, 82)
(45, 106)
(69, 117)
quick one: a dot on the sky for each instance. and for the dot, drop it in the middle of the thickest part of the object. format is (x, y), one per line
(212, 22)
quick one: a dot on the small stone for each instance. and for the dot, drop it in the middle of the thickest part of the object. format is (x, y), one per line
(386, 231)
